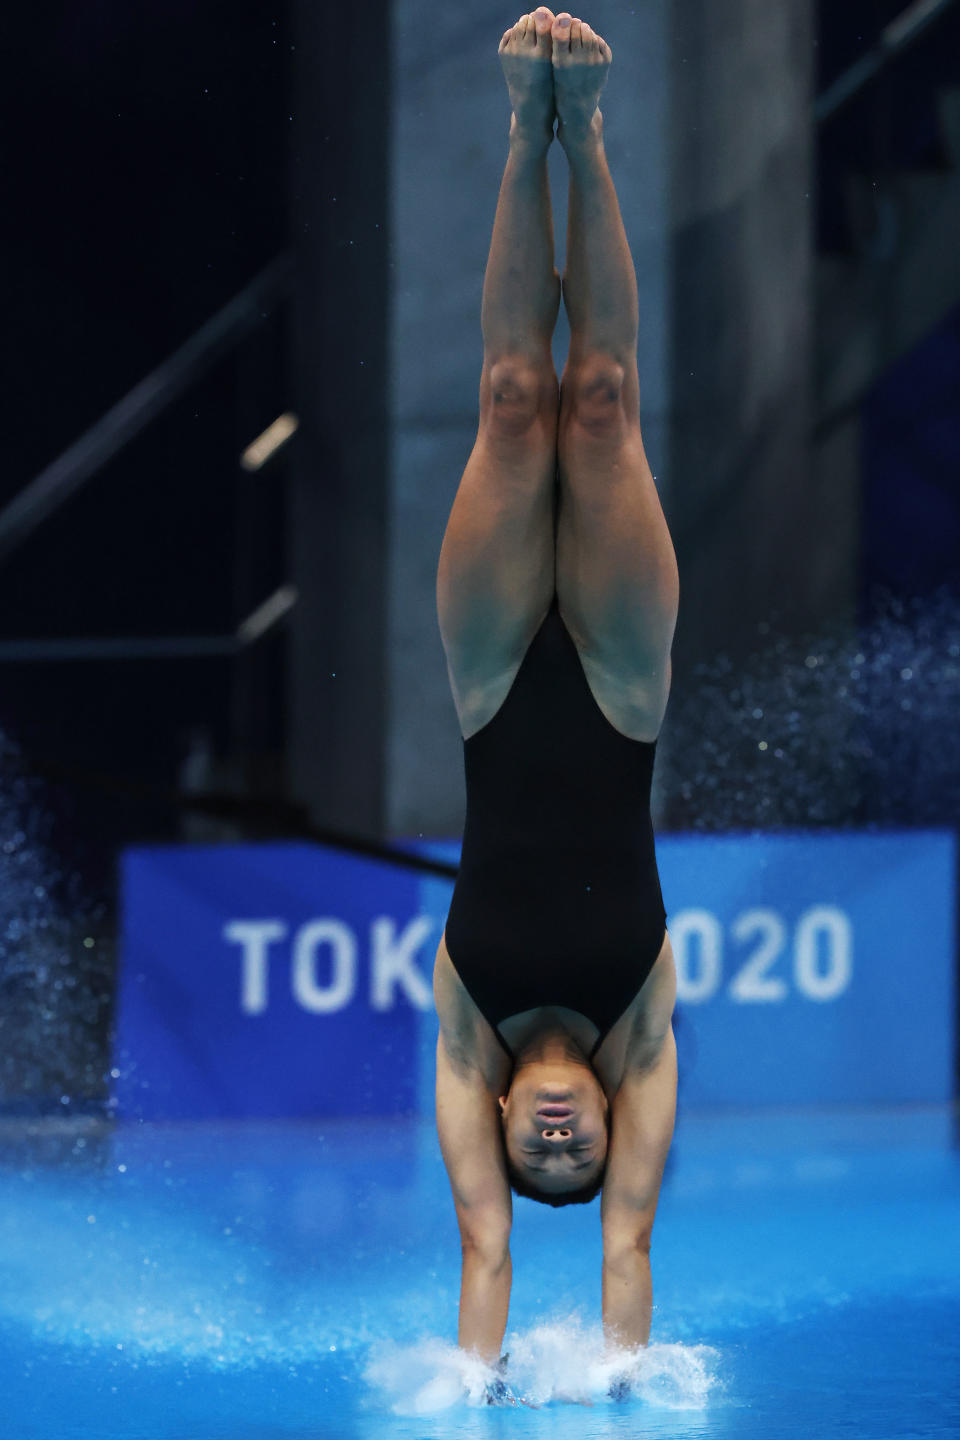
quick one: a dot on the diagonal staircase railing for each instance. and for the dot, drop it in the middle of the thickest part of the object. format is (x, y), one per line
(125, 420)
(901, 32)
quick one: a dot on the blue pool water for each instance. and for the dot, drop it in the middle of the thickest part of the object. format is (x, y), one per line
(219, 1282)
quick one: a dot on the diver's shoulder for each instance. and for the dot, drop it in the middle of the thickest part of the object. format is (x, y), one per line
(455, 1009)
(652, 1013)
(466, 1035)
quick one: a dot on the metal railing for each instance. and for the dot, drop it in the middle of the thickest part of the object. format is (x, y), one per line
(908, 26)
(66, 475)
(121, 424)
(261, 622)
(125, 420)
(270, 816)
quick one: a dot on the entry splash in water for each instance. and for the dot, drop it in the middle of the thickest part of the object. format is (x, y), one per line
(558, 1362)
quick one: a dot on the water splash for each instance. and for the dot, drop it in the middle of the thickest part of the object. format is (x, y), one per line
(54, 973)
(105, 1265)
(559, 1362)
(843, 728)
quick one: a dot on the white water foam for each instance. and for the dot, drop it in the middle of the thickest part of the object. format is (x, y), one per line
(557, 1362)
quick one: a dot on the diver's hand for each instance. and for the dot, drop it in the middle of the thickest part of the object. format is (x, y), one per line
(497, 1391)
(620, 1388)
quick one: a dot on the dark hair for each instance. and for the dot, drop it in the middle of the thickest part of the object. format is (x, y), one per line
(520, 1185)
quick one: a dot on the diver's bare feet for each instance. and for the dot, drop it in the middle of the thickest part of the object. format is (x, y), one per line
(581, 60)
(525, 54)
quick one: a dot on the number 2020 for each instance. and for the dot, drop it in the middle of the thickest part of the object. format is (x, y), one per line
(822, 955)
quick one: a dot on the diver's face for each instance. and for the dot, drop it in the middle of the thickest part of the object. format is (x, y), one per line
(555, 1125)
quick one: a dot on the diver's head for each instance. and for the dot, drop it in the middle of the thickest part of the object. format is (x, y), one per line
(555, 1118)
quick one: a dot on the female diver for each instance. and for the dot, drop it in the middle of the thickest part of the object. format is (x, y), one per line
(557, 594)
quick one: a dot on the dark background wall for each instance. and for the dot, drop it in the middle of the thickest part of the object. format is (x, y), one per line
(146, 182)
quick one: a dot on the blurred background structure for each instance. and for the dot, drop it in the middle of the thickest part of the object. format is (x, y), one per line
(242, 346)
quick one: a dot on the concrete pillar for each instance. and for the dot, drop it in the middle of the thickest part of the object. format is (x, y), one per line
(745, 516)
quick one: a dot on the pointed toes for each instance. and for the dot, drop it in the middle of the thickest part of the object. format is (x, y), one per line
(561, 29)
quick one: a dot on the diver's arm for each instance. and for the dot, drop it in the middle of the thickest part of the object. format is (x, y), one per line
(627, 1287)
(470, 1141)
(641, 1131)
(484, 1299)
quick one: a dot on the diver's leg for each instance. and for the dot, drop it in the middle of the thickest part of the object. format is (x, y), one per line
(495, 578)
(616, 569)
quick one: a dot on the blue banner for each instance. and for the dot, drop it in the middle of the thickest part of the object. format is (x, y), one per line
(813, 967)
(292, 980)
(266, 980)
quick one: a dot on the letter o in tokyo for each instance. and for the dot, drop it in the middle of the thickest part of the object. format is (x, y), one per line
(312, 996)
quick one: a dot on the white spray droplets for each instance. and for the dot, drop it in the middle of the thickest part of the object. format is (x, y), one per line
(558, 1362)
(862, 721)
